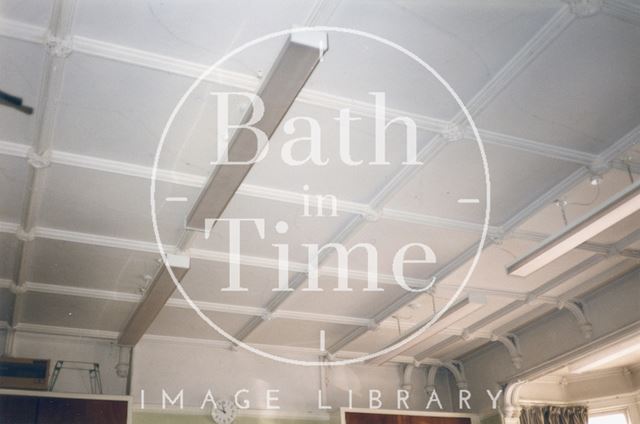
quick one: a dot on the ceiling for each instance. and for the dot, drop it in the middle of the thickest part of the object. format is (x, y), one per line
(551, 85)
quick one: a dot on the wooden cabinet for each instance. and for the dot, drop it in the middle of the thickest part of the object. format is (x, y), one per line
(18, 409)
(52, 408)
(406, 417)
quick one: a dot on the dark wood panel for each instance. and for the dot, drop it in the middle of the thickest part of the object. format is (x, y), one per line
(18, 409)
(51, 410)
(373, 418)
(81, 411)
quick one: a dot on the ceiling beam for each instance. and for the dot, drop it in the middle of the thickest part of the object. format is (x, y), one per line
(156, 296)
(623, 10)
(534, 297)
(41, 137)
(617, 208)
(512, 307)
(293, 66)
(419, 333)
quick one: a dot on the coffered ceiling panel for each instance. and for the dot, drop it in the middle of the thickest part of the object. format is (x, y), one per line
(516, 179)
(356, 303)
(112, 205)
(20, 75)
(34, 12)
(347, 181)
(466, 55)
(13, 180)
(183, 322)
(6, 304)
(300, 229)
(296, 333)
(568, 96)
(8, 255)
(113, 110)
(76, 312)
(206, 279)
(89, 266)
(389, 237)
(201, 32)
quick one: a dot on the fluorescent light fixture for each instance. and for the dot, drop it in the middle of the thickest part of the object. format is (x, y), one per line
(615, 210)
(606, 356)
(455, 313)
(297, 60)
(157, 294)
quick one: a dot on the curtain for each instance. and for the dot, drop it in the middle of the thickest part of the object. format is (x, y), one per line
(554, 415)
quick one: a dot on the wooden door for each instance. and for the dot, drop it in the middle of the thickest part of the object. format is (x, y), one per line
(373, 418)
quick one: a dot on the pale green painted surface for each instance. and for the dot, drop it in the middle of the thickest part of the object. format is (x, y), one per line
(493, 419)
(162, 418)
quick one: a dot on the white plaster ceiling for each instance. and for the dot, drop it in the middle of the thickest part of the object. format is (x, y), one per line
(559, 89)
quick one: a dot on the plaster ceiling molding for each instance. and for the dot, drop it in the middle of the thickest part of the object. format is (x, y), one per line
(59, 47)
(622, 9)
(585, 8)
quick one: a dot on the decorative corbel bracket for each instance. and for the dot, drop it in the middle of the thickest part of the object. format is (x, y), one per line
(455, 367)
(512, 343)
(407, 373)
(431, 371)
(578, 310)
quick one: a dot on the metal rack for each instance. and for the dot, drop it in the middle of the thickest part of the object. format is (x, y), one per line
(92, 368)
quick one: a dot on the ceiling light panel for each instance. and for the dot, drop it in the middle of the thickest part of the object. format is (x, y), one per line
(615, 210)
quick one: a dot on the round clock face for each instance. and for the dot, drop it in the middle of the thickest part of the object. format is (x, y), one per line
(224, 411)
(244, 145)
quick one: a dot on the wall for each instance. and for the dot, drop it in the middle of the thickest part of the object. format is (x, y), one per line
(556, 336)
(196, 368)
